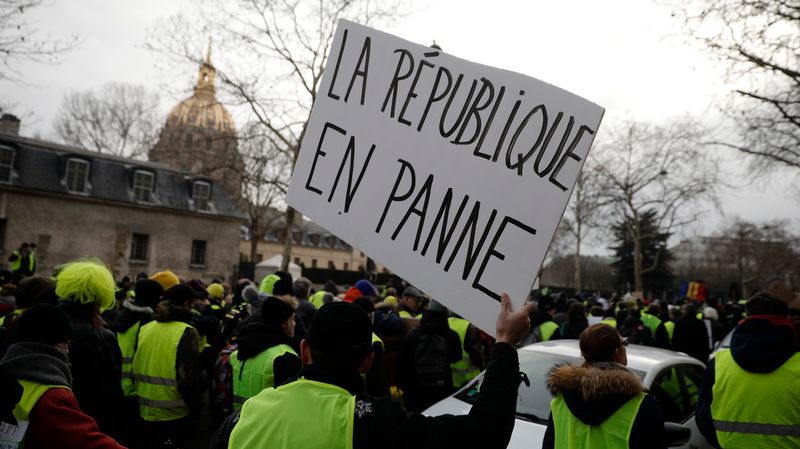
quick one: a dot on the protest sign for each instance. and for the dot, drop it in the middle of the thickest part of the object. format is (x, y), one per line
(452, 174)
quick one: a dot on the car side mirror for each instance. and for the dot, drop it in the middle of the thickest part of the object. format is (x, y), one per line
(676, 434)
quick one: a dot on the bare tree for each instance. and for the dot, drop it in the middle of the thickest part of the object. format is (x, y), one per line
(759, 40)
(273, 53)
(20, 39)
(119, 119)
(663, 169)
(582, 216)
(264, 183)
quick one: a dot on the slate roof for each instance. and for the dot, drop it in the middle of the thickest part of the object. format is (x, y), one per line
(40, 165)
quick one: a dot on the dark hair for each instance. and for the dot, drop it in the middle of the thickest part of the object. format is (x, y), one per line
(576, 312)
(765, 303)
(42, 323)
(599, 342)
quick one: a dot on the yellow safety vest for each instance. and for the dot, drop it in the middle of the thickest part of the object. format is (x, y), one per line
(154, 373)
(31, 393)
(651, 321)
(318, 298)
(463, 370)
(127, 345)
(279, 418)
(16, 265)
(670, 327)
(611, 322)
(756, 410)
(546, 330)
(376, 339)
(613, 433)
(250, 376)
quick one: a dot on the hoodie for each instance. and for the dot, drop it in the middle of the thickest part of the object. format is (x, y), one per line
(593, 392)
(760, 344)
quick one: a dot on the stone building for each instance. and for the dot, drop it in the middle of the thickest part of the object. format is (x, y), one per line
(199, 136)
(135, 216)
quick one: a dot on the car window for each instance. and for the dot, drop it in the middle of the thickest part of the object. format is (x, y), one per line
(533, 402)
(677, 389)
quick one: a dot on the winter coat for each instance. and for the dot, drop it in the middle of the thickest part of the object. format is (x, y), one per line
(759, 345)
(130, 315)
(571, 329)
(594, 392)
(691, 336)
(383, 423)
(256, 337)
(56, 417)
(96, 365)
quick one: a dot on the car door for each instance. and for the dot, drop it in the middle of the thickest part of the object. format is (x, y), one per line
(677, 389)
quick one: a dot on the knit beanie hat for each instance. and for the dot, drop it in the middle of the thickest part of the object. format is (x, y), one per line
(34, 290)
(148, 292)
(268, 283)
(366, 288)
(250, 294)
(275, 311)
(43, 323)
(179, 294)
(86, 282)
(283, 287)
(340, 328)
(166, 278)
(215, 290)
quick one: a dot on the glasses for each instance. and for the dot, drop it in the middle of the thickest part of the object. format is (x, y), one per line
(624, 342)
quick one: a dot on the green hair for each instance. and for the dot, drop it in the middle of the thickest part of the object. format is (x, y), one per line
(86, 281)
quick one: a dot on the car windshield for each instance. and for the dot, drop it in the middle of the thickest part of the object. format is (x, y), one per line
(533, 402)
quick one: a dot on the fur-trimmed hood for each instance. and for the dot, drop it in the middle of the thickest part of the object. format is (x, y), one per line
(594, 391)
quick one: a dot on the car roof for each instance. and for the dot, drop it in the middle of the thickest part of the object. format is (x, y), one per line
(642, 358)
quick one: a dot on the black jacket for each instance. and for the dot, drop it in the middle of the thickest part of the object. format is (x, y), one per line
(131, 314)
(596, 391)
(382, 423)
(757, 346)
(256, 337)
(691, 336)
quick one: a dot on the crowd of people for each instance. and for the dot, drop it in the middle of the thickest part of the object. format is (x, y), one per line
(91, 362)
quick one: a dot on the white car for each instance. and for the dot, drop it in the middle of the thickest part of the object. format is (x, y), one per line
(655, 366)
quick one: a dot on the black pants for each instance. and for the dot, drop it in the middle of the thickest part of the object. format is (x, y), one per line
(164, 434)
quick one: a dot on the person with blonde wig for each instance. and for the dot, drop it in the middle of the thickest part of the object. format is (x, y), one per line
(86, 288)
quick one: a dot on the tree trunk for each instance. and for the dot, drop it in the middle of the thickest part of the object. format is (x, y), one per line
(288, 239)
(577, 280)
(253, 246)
(637, 265)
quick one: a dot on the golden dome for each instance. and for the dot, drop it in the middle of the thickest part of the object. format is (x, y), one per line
(202, 109)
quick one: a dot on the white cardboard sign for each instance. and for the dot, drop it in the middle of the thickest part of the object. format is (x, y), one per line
(452, 174)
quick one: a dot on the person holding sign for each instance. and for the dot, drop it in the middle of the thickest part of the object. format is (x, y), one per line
(328, 396)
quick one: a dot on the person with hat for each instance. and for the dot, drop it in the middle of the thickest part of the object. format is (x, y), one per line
(86, 289)
(749, 396)
(328, 396)
(166, 278)
(37, 361)
(29, 292)
(22, 262)
(600, 403)
(264, 358)
(166, 370)
(411, 303)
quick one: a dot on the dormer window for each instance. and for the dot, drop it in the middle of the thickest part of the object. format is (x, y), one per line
(77, 175)
(6, 164)
(201, 195)
(143, 183)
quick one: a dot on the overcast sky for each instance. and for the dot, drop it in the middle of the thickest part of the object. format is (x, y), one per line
(625, 55)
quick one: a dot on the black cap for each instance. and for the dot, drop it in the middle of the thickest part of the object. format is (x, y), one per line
(179, 294)
(148, 292)
(283, 287)
(275, 311)
(340, 328)
(43, 323)
(413, 293)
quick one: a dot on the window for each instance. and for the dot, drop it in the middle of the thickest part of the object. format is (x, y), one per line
(677, 389)
(315, 239)
(297, 261)
(259, 257)
(208, 145)
(188, 140)
(331, 240)
(77, 175)
(313, 263)
(6, 164)
(198, 252)
(143, 186)
(346, 266)
(139, 247)
(331, 265)
(297, 236)
(201, 194)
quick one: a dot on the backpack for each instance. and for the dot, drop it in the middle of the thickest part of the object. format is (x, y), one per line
(431, 364)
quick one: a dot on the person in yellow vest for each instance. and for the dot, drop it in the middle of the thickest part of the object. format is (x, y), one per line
(411, 303)
(22, 262)
(46, 414)
(472, 359)
(166, 371)
(600, 404)
(655, 320)
(265, 357)
(325, 405)
(375, 379)
(749, 397)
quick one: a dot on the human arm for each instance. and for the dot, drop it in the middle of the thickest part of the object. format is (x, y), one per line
(284, 368)
(56, 417)
(187, 369)
(648, 427)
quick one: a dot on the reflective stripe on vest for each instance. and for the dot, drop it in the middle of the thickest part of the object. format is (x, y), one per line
(755, 410)
(613, 433)
(463, 370)
(289, 410)
(252, 375)
(127, 344)
(154, 373)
